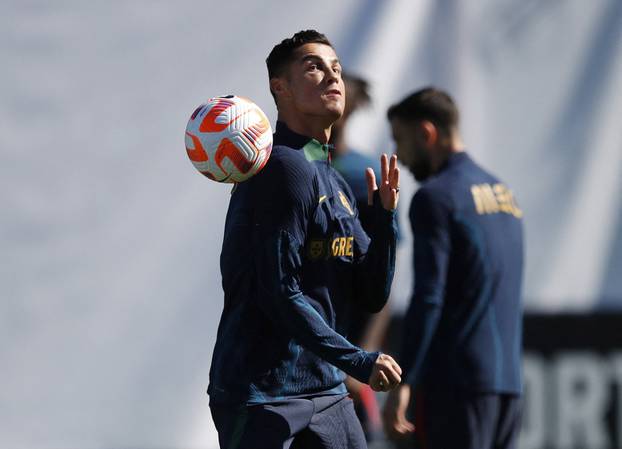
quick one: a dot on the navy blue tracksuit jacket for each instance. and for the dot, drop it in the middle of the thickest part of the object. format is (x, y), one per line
(295, 261)
(463, 328)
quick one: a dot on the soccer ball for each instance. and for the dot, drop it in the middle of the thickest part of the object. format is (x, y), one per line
(228, 139)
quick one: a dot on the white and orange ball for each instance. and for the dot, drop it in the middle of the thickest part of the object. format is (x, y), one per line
(228, 139)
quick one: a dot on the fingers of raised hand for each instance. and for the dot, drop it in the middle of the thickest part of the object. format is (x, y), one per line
(371, 185)
(390, 182)
(394, 174)
(384, 168)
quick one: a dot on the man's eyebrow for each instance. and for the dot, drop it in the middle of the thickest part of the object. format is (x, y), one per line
(311, 57)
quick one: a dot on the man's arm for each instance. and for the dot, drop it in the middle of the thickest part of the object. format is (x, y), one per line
(285, 198)
(375, 269)
(430, 219)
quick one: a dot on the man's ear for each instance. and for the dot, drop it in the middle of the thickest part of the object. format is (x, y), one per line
(279, 87)
(429, 132)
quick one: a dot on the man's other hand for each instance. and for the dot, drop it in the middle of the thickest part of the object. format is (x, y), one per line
(396, 424)
(386, 374)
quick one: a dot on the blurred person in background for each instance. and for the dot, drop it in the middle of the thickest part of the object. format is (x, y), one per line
(295, 260)
(351, 164)
(462, 333)
(366, 330)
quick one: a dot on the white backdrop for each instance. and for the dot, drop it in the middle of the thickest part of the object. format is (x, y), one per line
(109, 279)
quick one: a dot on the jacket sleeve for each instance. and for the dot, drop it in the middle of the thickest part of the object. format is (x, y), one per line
(376, 265)
(285, 199)
(430, 220)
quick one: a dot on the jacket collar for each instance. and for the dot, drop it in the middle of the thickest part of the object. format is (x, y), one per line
(313, 149)
(455, 159)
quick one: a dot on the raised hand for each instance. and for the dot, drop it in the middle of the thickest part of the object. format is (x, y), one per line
(389, 184)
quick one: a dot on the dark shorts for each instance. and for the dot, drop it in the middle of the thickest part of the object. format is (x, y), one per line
(325, 422)
(462, 420)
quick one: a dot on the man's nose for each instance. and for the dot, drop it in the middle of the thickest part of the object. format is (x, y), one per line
(332, 75)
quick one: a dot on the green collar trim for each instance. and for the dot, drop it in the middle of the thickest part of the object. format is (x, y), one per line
(315, 151)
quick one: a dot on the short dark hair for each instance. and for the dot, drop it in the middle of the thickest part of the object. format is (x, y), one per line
(360, 89)
(282, 53)
(430, 104)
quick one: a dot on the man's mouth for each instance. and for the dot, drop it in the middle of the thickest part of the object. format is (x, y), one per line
(333, 92)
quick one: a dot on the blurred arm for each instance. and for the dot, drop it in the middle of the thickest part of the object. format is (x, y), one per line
(429, 217)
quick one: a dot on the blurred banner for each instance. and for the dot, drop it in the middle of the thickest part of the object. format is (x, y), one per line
(110, 239)
(573, 382)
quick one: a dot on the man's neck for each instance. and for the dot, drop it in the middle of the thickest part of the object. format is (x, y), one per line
(451, 146)
(444, 152)
(456, 144)
(317, 129)
(337, 139)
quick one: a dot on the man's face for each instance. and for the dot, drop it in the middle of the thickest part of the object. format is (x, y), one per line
(314, 82)
(411, 148)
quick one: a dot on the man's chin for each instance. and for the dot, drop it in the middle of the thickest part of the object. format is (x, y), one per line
(331, 116)
(329, 113)
(334, 111)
